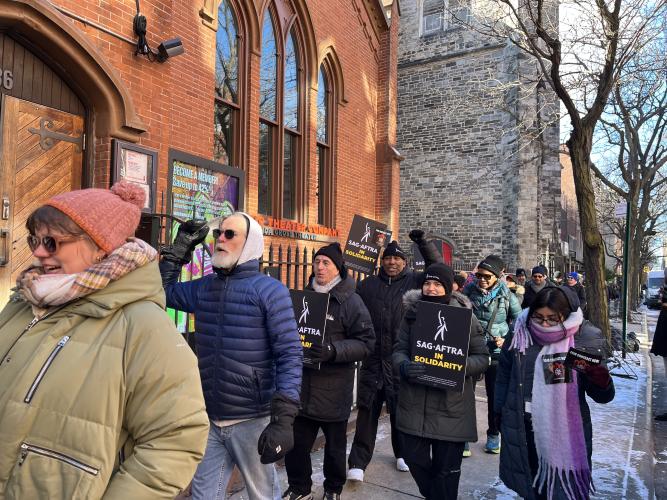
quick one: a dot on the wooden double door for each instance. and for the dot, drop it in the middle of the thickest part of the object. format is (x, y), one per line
(41, 155)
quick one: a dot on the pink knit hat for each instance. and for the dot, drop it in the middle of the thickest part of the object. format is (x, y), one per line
(109, 217)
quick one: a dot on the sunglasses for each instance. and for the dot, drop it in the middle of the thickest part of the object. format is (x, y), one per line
(482, 276)
(50, 243)
(228, 233)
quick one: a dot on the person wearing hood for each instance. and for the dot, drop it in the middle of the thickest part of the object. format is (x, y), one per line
(496, 308)
(541, 404)
(434, 423)
(326, 394)
(539, 279)
(249, 351)
(383, 294)
(100, 396)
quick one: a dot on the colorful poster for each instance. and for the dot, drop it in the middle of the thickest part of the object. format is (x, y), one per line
(199, 193)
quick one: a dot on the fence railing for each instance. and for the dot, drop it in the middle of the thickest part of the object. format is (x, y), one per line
(293, 265)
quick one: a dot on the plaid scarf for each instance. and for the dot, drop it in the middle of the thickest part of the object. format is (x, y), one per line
(44, 291)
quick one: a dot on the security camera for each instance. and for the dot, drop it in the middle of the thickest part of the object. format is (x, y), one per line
(170, 48)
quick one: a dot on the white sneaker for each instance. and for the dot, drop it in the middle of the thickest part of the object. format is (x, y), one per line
(401, 465)
(356, 475)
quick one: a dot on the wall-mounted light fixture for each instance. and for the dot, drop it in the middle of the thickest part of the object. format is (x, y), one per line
(169, 48)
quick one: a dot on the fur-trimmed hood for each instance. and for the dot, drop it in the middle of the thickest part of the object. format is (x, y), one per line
(411, 297)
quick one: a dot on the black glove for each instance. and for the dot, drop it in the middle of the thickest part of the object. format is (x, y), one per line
(411, 370)
(321, 353)
(278, 437)
(416, 235)
(190, 234)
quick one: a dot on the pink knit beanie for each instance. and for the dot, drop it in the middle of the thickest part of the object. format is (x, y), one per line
(109, 217)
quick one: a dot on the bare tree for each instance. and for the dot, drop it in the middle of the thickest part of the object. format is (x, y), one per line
(579, 49)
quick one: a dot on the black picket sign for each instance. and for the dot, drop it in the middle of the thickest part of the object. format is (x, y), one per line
(310, 312)
(439, 339)
(364, 242)
(418, 261)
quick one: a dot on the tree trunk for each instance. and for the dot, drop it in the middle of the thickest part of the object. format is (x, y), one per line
(580, 145)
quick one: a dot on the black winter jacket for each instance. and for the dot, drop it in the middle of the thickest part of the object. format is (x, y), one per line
(439, 413)
(530, 294)
(383, 297)
(514, 383)
(581, 293)
(326, 394)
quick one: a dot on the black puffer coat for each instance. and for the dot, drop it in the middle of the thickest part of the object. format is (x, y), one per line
(383, 297)
(326, 394)
(439, 413)
(514, 384)
(579, 289)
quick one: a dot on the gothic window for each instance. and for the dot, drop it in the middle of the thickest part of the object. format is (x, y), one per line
(227, 102)
(268, 86)
(291, 123)
(325, 161)
(281, 148)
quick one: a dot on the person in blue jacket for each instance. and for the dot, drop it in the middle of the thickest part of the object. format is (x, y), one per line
(496, 307)
(249, 351)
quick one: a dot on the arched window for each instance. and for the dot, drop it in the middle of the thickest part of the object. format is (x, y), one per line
(325, 163)
(268, 86)
(282, 157)
(291, 123)
(227, 102)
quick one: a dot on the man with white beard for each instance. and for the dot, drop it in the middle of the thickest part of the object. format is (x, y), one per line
(249, 351)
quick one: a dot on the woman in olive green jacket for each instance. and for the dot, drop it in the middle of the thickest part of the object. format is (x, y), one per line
(99, 394)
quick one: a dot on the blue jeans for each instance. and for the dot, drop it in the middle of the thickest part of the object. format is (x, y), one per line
(229, 446)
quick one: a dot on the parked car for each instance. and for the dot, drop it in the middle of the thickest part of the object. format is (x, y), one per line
(654, 282)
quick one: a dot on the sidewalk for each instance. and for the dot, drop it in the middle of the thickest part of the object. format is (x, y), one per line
(623, 461)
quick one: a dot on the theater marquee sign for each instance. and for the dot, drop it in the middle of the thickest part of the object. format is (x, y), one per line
(296, 230)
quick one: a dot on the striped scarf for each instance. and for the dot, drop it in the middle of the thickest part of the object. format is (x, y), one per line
(44, 291)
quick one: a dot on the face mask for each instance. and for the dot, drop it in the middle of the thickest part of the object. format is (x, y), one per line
(441, 299)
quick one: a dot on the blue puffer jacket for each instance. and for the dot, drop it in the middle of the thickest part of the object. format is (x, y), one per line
(246, 340)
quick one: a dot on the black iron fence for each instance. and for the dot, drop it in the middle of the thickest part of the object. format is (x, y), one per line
(293, 265)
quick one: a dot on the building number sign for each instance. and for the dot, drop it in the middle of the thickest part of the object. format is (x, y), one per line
(6, 79)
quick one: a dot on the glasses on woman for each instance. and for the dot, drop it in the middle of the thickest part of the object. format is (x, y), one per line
(228, 233)
(485, 277)
(540, 320)
(50, 243)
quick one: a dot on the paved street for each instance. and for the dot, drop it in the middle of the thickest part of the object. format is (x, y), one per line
(622, 450)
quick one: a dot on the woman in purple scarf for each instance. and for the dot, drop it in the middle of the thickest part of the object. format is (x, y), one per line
(544, 417)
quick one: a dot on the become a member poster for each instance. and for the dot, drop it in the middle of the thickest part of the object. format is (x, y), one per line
(364, 243)
(439, 339)
(310, 312)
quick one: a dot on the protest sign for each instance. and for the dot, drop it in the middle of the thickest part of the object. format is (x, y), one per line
(364, 242)
(555, 371)
(418, 261)
(310, 312)
(580, 360)
(439, 339)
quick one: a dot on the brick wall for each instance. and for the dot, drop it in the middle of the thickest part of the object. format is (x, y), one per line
(175, 99)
